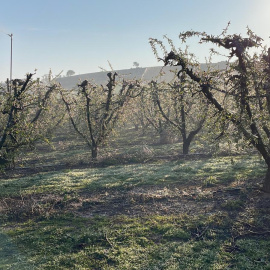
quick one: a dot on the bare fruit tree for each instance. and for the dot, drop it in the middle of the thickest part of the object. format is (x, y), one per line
(28, 113)
(240, 94)
(94, 110)
(187, 112)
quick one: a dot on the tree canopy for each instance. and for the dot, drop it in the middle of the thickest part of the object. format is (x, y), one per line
(70, 73)
(240, 93)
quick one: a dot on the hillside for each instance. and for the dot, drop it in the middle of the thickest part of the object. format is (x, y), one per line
(159, 73)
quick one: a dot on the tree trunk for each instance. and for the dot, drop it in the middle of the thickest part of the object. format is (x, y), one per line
(165, 137)
(3, 162)
(186, 145)
(94, 151)
(7, 160)
(266, 183)
(136, 127)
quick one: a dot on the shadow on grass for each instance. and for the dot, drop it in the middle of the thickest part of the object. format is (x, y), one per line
(10, 256)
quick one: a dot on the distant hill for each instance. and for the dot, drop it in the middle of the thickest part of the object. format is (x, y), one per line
(159, 73)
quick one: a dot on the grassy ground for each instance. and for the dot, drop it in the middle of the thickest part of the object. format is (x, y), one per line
(153, 210)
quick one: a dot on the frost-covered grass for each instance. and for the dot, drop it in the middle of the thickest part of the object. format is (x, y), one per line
(200, 172)
(81, 218)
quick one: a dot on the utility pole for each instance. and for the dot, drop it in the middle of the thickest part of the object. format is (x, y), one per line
(11, 39)
(11, 51)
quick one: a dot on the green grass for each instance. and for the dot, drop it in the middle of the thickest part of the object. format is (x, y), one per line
(79, 218)
(214, 171)
(156, 242)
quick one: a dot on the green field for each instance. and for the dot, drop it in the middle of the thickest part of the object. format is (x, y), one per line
(140, 206)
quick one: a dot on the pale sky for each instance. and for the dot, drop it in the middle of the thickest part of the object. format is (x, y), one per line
(82, 35)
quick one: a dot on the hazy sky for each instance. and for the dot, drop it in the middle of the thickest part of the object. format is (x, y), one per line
(83, 34)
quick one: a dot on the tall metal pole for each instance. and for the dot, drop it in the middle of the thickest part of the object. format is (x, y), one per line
(11, 39)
